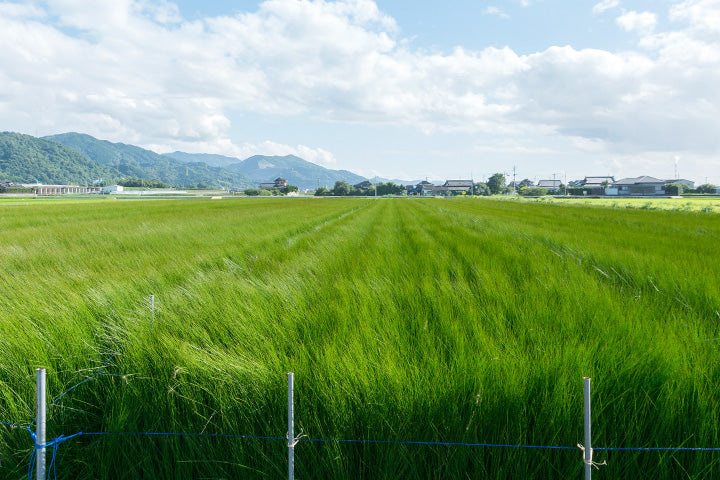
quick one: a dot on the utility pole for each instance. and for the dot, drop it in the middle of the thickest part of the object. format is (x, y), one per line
(514, 181)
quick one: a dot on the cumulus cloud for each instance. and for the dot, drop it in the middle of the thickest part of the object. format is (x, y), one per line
(643, 22)
(702, 15)
(136, 71)
(18, 10)
(314, 155)
(605, 5)
(491, 10)
(224, 146)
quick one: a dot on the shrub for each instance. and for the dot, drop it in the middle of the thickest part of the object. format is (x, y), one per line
(534, 192)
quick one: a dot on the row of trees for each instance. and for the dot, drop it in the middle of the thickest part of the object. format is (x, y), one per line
(494, 186)
(344, 189)
(143, 183)
(140, 182)
(679, 188)
(273, 192)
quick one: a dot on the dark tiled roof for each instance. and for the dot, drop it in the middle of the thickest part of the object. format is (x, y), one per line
(598, 180)
(458, 183)
(548, 183)
(638, 180)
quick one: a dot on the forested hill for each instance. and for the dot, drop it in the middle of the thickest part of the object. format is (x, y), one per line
(76, 158)
(135, 162)
(27, 159)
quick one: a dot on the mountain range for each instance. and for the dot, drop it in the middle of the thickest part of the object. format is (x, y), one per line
(261, 168)
(76, 158)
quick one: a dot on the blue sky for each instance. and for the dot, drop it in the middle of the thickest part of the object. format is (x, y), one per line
(400, 89)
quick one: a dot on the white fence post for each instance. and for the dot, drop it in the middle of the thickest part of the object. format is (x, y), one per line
(291, 427)
(152, 311)
(587, 453)
(40, 381)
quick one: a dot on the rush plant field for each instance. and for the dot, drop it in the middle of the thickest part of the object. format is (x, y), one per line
(677, 204)
(463, 321)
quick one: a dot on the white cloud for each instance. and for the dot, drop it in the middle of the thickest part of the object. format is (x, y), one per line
(314, 155)
(605, 5)
(643, 22)
(702, 15)
(19, 10)
(134, 71)
(491, 10)
(224, 146)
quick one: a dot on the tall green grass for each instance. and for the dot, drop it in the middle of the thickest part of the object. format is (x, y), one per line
(426, 320)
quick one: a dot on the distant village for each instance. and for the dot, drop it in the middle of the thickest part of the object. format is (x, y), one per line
(495, 185)
(588, 186)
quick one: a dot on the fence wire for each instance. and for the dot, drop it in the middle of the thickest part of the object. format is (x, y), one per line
(55, 443)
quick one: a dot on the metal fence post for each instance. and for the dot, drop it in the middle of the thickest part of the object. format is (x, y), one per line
(587, 454)
(291, 427)
(40, 381)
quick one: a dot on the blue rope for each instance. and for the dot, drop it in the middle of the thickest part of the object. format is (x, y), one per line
(100, 372)
(180, 434)
(251, 437)
(406, 442)
(11, 424)
(442, 444)
(54, 444)
(31, 466)
(659, 449)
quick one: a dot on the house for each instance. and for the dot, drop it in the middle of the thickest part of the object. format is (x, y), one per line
(460, 186)
(644, 185)
(597, 185)
(113, 189)
(682, 181)
(553, 186)
(278, 183)
(425, 188)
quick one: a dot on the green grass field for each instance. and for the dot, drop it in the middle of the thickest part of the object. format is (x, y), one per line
(464, 320)
(678, 204)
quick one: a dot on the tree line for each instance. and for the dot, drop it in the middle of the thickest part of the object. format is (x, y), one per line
(272, 192)
(344, 189)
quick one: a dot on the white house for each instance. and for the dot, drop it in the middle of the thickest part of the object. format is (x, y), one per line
(113, 189)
